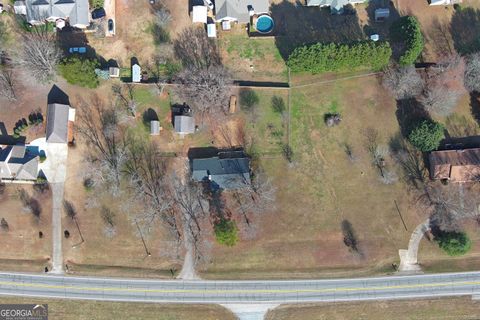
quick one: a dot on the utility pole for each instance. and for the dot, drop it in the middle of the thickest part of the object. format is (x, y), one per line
(143, 240)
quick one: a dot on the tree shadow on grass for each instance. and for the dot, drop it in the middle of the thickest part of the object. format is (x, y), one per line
(465, 27)
(475, 106)
(297, 24)
(409, 113)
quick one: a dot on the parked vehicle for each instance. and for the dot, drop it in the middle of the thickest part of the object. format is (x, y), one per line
(209, 4)
(110, 26)
(98, 13)
(81, 50)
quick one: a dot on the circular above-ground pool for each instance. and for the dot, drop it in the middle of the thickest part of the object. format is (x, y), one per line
(264, 24)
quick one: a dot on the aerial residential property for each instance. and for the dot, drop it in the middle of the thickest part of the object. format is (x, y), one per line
(239, 159)
(76, 12)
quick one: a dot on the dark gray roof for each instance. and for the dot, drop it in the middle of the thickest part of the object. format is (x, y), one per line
(184, 124)
(227, 173)
(57, 123)
(238, 9)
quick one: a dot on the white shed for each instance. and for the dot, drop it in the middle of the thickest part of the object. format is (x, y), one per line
(199, 14)
(136, 73)
(212, 30)
(154, 127)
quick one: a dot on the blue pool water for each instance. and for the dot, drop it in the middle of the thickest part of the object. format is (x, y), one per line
(264, 24)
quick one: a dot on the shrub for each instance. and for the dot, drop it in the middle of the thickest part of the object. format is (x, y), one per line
(42, 158)
(453, 243)
(332, 119)
(160, 34)
(407, 30)
(278, 104)
(248, 99)
(88, 184)
(426, 136)
(79, 71)
(4, 225)
(95, 4)
(321, 57)
(287, 152)
(226, 232)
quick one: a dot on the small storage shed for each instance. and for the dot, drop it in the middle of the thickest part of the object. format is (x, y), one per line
(136, 73)
(184, 124)
(212, 30)
(199, 14)
(154, 127)
(114, 72)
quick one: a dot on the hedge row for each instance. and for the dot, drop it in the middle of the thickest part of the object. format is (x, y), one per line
(407, 29)
(321, 57)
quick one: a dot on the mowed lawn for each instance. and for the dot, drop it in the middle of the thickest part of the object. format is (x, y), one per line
(83, 310)
(22, 248)
(302, 235)
(453, 308)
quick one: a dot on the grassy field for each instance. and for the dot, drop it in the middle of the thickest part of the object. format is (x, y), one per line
(255, 59)
(22, 248)
(322, 188)
(453, 308)
(83, 310)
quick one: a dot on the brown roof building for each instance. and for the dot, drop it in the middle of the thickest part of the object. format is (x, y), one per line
(455, 165)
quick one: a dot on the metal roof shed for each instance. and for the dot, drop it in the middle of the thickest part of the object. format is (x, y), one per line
(199, 14)
(212, 30)
(154, 127)
(136, 73)
(184, 124)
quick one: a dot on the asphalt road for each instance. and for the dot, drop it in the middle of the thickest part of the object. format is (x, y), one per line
(240, 292)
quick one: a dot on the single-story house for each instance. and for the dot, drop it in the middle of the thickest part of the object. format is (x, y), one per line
(239, 10)
(76, 12)
(225, 169)
(336, 6)
(60, 118)
(18, 162)
(455, 165)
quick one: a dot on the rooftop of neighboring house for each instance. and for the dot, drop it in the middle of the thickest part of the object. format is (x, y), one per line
(18, 162)
(455, 165)
(77, 11)
(239, 9)
(57, 123)
(335, 5)
(227, 169)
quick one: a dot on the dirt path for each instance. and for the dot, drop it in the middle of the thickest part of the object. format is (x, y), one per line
(409, 258)
(188, 268)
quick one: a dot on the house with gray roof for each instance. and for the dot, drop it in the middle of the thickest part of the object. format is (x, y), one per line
(18, 163)
(224, 169)
(59, 122)
(76, 12)
(336, 6)
(239, 10)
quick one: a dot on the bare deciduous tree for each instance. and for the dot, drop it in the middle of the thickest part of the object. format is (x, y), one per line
(126, 97)
(451, 205)
(444, 85)
(147, 173)
(255, 197)
(108, 217)
(99, 126)
(472, 72)
(40, 53)
(206, 89)
(195, 49)
(403, 83)
(7, 84)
